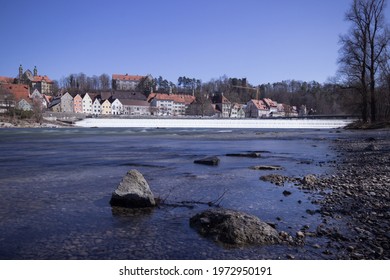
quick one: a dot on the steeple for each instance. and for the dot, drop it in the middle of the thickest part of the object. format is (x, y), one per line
(35, 71)
(20, 73)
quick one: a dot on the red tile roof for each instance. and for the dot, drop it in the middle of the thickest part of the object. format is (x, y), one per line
(19, 91)
(41, 79)
(178, 98)
(270, 103)
(260, 105)
(127, 77)
(6, 80)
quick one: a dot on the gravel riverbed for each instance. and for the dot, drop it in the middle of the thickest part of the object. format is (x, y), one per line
(356, 203)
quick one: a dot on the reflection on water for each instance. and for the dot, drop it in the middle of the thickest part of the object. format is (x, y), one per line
(55, 187)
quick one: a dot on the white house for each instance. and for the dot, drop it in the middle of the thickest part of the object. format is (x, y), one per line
(272, 106)
(256, 109)
(117, 107)
(36, 96)
(24, 105)
(169, 104)
(96, 107)
(237, 111)
(87, 104)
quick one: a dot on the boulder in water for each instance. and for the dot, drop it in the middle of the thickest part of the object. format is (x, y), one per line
(234, 227)
(133, 192)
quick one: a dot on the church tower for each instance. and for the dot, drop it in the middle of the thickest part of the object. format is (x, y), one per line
(20, 74)
(35, 71)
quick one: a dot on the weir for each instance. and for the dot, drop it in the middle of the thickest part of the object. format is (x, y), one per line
(216, 123)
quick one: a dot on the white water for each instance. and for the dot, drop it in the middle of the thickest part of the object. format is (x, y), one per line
(216, 123)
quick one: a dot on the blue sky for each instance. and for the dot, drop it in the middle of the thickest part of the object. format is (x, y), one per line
(262, 40)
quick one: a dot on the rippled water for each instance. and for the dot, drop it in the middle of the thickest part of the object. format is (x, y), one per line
(55, 187)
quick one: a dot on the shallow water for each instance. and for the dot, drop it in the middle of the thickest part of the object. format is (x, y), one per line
(55, 187)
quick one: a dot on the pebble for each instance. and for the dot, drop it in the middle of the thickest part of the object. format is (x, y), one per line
(300, 235)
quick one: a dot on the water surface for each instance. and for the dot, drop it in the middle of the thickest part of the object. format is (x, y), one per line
(55, 187)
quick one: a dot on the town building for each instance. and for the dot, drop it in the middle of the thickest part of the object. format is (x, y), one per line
(272, 106)
(257, 109)
(96, 107)
(126, 82)
(117, 107)
(223, 105)
(41, 99)
(106, 107)
(87, 103)
(237, 111)
(163, 104)
(78, 104)
(67, 105)
(42, 83)
(12, 94)
(136, 107)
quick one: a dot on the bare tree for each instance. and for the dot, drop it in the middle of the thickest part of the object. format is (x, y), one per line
(363, 50)
(104, 82)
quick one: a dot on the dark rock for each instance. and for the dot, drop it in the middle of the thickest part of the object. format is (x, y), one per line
(208, 161)
(286, 193)
(370, 139)
(290, 257)
(371, 148)
(250, 154)
(234, 227)
(133, 192)
(266, 167)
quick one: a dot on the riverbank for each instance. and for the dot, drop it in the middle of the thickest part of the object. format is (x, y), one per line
(9, 122)
(356, 206)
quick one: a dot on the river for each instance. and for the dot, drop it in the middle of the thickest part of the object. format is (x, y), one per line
(55, 187)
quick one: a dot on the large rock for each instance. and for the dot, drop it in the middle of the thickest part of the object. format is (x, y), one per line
(208, 161)
(234, 227)
(133, 192)
(266, 167)
(250, 155)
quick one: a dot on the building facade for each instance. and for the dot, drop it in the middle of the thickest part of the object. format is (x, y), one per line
(67, 105)
(87, 104)
(78, 104)
(125, 82)
(106, 107)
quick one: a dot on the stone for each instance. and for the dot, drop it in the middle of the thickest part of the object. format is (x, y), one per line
(234, 227)
(286, 193)
(300, 235)
(250, 154)
(276, 179)
(208, 161)
(266, 167)
(371, 147)
(309, 180)
(133, 192)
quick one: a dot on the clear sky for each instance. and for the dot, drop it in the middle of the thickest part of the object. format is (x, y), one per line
(262, 40)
